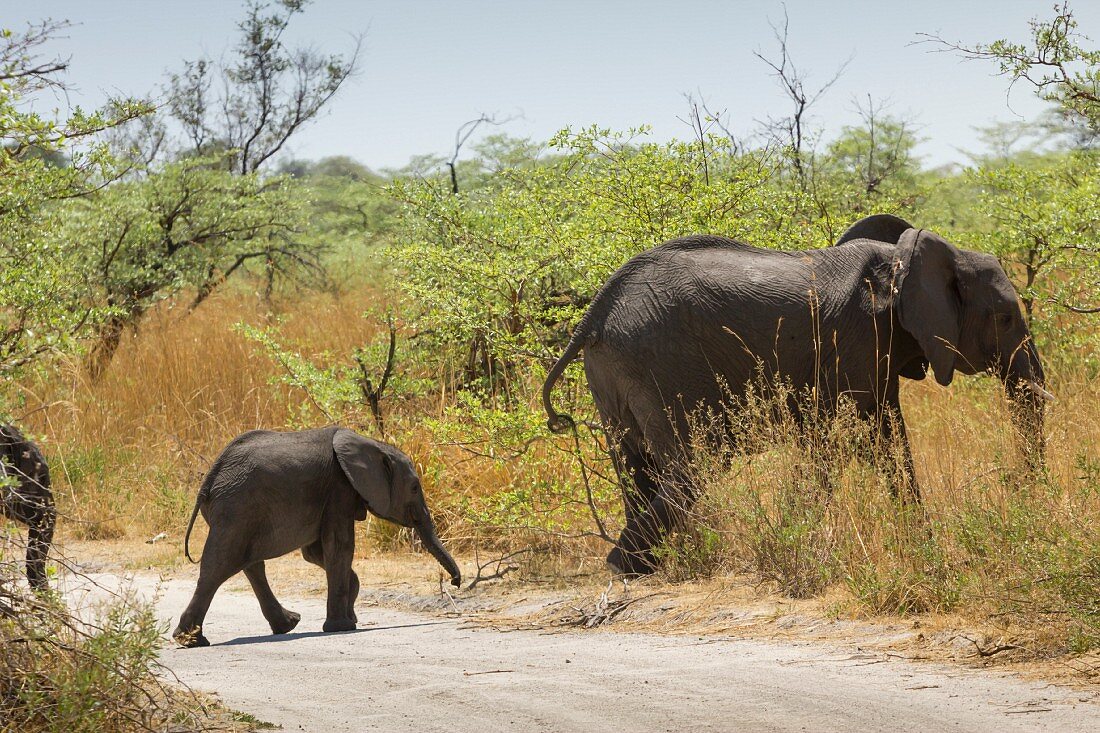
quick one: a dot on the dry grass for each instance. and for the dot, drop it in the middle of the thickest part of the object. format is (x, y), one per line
(128, 454)
(991, 539)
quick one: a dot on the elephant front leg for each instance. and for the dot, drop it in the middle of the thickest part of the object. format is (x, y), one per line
(895, 444)
(338, 546)
(280, 619)
(315, 554)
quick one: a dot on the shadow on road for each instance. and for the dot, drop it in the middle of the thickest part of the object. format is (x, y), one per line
(275, 638)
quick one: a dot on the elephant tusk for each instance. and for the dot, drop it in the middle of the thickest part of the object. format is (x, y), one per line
(1034, 387)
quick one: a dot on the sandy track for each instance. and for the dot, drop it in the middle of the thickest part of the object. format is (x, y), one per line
(414, 672)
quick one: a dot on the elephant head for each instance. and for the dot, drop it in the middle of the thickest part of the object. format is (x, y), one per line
(386, 480)
(964, 313)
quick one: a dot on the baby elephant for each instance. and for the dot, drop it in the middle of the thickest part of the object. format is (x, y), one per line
(26, 497)
(271, 493)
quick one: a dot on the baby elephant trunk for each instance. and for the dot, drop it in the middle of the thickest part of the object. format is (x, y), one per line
(426, 532)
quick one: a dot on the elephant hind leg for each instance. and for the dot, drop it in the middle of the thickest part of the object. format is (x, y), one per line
(280, 619)
(657, 503)
(220, 561)
(38, 546)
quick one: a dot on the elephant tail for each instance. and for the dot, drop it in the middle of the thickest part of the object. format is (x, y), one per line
(194, 513)
(560, 422)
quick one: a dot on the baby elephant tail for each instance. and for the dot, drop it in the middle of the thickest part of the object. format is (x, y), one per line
(194, 513)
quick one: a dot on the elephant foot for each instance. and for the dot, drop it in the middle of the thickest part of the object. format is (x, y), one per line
(190, 638)
(339, 624)
(287, 624)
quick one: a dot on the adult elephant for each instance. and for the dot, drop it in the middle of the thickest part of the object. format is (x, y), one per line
(25, 496)
(690, 324)
(272, 493)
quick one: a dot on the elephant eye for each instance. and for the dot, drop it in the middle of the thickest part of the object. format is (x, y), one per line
(1003, 320)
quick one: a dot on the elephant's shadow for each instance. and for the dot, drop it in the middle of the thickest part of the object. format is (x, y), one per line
(295, 635)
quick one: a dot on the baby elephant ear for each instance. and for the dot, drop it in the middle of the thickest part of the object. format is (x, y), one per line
(367, 468)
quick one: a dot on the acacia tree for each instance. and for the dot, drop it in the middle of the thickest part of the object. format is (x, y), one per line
(251, 105)
(146, 240)
(1053, 62)
(44, 161)
(202, 209)
(1044, 214)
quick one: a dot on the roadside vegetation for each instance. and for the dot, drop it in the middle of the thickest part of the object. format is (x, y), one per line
(167, 284)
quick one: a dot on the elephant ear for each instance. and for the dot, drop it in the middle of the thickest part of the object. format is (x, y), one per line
(367, 467)
(879, 227)
(929, 305)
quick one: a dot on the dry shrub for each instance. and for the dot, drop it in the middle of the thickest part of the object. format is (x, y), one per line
(991, 537)
(86, 670)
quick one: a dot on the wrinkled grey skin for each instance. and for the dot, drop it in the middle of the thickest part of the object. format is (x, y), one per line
(685, 326)
(271, 493)
(28, 499)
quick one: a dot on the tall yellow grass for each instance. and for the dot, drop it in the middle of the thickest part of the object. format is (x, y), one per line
(128, 452)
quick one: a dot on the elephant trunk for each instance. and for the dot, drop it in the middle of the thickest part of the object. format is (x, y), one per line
(426, 532)
(1025, 386)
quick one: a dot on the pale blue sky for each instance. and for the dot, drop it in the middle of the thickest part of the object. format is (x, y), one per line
(429, 65)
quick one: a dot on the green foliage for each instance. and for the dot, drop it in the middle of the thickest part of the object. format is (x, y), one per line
(179, 226)
(349, 214)
(1042, 220)
(866, 169)
(43, 161)
(187, 224)
(330, 389)
(1062, 71)
(1040, 557)
(500, 272)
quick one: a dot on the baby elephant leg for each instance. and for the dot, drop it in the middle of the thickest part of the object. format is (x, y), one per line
(221, 560)
(315, 554)
(338, 546)
(280, 619)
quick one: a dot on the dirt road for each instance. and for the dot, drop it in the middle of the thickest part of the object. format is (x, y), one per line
(412, 672)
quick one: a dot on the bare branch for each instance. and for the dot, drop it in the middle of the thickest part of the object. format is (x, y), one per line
(463, 134)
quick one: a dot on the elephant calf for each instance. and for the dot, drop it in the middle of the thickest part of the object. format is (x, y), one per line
(25, 496)
(271, 493)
